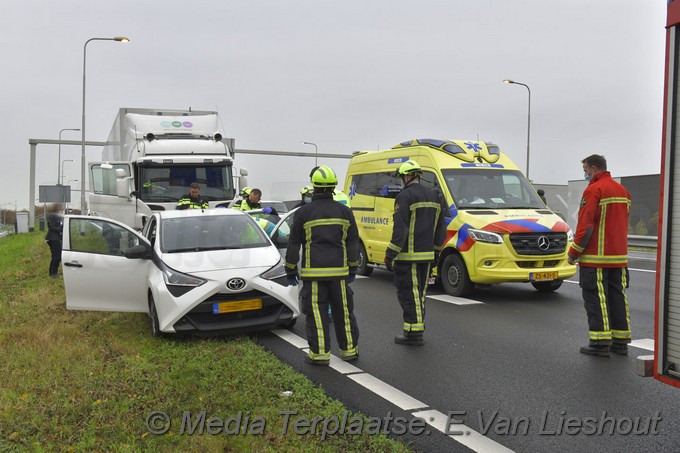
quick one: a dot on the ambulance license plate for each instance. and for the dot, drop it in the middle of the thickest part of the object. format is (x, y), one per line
(542, 276)
(237, 305)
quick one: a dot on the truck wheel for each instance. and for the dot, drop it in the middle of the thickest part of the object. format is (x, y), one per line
(547, 287)
(153, 314)
(454, 276)
(363, 268)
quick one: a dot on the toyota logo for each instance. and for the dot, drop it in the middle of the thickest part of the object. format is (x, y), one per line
(543, 243)
(236, 284)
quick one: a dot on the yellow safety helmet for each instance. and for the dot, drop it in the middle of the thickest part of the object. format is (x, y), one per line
(410, 167)
(306, 190)
(245, 191)
(324, 177)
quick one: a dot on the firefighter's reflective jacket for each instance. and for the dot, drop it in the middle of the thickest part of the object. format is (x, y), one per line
(327, 233)
(601, 238)
(419, 226)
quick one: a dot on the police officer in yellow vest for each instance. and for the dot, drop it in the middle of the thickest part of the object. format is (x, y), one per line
(192, 200)
(327, 233)
(417, 239)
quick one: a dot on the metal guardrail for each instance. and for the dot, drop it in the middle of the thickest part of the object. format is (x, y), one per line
(651, 242)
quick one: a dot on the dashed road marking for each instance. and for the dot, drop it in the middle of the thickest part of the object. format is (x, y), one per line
(464, 434)
(455, 300)
(643, 343)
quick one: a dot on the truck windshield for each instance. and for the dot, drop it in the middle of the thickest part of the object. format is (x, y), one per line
(168, 183)
(480, 188)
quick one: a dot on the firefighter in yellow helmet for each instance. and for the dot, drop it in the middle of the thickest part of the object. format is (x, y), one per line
(418, 234)
(244, 195)
(327, 234)
(305, 196)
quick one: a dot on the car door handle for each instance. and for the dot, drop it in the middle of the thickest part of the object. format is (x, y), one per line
(73, 264)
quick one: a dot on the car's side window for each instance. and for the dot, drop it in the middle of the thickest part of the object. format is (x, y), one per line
(99, 236)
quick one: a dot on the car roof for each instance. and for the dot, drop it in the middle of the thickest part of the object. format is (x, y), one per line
(174, 214)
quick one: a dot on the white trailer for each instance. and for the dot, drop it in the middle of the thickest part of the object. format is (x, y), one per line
(151, 157)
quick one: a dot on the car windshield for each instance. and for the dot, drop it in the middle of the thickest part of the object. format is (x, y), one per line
(211, 232)
(479, 188)
(168, 183)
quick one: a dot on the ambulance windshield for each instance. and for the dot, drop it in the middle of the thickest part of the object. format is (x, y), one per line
(480, 188)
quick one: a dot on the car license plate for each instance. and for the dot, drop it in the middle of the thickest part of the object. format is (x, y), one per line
(237, 305)
(542, 276)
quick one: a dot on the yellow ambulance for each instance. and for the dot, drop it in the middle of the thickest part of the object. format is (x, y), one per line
(498, 228)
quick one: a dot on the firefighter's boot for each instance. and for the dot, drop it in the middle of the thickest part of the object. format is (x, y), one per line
(410, 338)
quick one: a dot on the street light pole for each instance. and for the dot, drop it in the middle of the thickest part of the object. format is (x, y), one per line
(59, 178)
(316, 152)
(82, 155)
(62, 169)
(507, 81)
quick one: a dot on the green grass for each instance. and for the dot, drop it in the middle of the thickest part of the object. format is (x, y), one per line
(86, 381)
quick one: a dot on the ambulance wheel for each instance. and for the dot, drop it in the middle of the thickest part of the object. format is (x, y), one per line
(363, 268)
(454, 276)
(547, 287)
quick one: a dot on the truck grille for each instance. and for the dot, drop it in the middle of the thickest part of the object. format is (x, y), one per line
(539, 243)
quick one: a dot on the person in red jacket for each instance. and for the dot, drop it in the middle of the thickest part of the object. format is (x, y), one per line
(601, 248)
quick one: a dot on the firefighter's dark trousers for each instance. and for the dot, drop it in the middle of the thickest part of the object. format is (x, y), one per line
(604, 296)
(316, 296)
(411, 281)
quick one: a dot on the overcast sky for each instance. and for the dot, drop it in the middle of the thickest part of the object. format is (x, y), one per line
(346, 75)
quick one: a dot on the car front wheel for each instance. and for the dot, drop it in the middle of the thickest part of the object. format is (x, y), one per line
(454, 276)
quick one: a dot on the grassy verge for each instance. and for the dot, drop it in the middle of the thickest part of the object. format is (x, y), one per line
(87, 381)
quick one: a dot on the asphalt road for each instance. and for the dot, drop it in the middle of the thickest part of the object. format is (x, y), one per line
(507, 362)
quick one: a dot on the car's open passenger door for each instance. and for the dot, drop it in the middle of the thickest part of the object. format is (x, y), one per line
(97, 275)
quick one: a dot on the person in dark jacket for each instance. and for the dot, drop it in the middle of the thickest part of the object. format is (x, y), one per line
(55, 224)
(418, 234)
(193, 200)
(327, 233)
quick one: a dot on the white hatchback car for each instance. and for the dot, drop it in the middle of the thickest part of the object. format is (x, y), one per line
(192, 271)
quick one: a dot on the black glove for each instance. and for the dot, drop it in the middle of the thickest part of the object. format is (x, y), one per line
(293, 279)
(389, 263)
(350, 278)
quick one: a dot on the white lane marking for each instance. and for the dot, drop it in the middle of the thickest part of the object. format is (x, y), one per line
(291, 338)
(391, 394)
(643, 343)
(643, 270)
(571, 281)
(343, 367)
(361, 276)
(468, 436)
(454, 300)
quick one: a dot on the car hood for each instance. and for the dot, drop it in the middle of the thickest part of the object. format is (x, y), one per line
(215, 260)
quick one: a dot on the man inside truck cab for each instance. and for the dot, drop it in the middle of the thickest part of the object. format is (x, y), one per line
(192, 200)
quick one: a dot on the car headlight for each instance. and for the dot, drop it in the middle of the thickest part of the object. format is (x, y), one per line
(178, 283)
(485, 236)
(277, 274)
